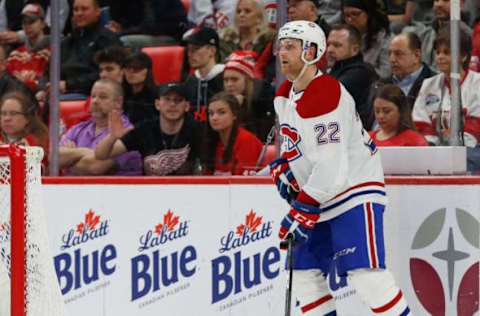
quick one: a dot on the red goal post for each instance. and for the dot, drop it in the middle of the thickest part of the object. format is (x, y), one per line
(26, 260)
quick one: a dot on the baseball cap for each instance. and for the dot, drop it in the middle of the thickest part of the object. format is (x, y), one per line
(203, 36)
(177, 87)
(242, 61)
(33, 11)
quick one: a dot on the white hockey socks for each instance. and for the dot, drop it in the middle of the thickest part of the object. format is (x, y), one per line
(311, 289)
(378, 289)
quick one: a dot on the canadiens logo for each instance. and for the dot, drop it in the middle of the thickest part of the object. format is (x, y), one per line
(253, 230)
(290, 141)
(91, 228)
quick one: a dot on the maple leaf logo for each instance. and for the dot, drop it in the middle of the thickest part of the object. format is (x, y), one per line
(169, 223)
(90, 222)
(251, 222)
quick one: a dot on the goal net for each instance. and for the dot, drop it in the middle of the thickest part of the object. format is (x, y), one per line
(28, 283)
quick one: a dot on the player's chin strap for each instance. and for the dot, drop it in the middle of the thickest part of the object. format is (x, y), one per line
(306, 62)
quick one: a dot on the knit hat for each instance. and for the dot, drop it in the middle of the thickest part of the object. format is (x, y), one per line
(33, 11)
(242, 61)
(355, 4)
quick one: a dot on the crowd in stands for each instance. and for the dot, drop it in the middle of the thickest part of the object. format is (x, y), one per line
(214, 115)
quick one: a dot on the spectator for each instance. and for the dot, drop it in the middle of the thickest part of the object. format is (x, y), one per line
(254, 95)
(428, 33)
(347, 65)
(229, 149)
(27, 63)
(399, 13)
(394, 115)
(140, 88)
(8, 83)
(20, 123)
(307, 10)
(408, 70)
(109, 61)
(11, 32)
(431, 113)
(76, 151)
(475, 61)
(374, 27)
(168, 144)
(78, 69)
(202, 47)
(249, 32)
(148, 23)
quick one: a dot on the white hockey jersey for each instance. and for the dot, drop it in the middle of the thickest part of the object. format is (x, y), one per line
(433, 103)
(332, 157)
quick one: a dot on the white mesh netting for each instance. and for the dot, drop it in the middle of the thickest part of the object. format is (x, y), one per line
(43, 296)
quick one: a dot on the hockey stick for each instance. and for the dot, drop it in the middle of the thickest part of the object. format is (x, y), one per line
(288, 243)
(268, 141)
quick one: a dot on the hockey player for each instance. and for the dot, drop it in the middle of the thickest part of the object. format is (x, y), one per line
(330, 160)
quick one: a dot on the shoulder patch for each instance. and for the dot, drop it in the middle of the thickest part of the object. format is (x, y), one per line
(284, 89)
(321, 97)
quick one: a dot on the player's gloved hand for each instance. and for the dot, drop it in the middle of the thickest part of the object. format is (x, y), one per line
(301, 218)
(284, 179)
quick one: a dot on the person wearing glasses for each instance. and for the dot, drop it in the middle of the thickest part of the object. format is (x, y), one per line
(373, 25)
(408, 70)
(20, 123)
(168, 144)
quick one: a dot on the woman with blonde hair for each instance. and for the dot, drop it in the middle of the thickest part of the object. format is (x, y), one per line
(20, 123)
(249, 32)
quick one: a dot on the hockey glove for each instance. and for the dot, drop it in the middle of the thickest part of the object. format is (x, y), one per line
(284, 179)
(301, 218)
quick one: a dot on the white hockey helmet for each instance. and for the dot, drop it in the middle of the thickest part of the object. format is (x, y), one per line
(309, 33)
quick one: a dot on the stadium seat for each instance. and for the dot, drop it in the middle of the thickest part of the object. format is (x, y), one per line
(72, 112)
(186, 3)
(167, 62)
(270, 154)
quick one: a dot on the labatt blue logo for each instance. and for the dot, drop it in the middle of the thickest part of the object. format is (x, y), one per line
(77, 269)
(251, 231)
(244, 272)
(152, 271)
(85, 231)
(166, 231)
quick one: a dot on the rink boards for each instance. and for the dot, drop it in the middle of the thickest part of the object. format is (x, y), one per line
(208, 246)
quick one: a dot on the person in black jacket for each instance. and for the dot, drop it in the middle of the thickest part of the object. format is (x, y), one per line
(148, 22)
(207, 80)
(346, 64)
(408, 70)
(78, 69)
(140, 88)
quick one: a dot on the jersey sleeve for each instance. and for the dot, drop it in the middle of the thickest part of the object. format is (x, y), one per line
(420, 116)
(472, 115)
